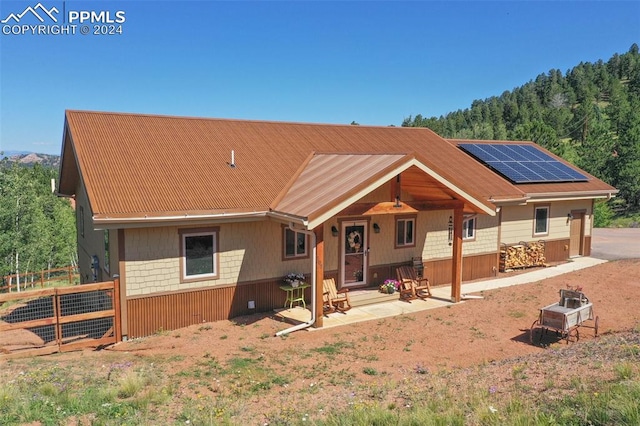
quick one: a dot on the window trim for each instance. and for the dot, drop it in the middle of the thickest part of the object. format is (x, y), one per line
(546, 207)
(405, 218)
(284, 245)
(465, 236)
(192, 232)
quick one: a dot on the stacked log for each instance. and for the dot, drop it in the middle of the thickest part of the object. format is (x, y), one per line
(522, 255)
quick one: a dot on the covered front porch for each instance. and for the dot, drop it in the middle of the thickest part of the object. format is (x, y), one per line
(470, 291)
(389, 306)
(361, 225)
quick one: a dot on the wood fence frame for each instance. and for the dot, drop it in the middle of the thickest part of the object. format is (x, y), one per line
(58, 320)
(72, 271)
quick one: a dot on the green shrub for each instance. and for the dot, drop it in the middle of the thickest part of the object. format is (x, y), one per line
(602, 215)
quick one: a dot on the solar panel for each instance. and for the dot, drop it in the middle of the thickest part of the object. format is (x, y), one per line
(522, 163)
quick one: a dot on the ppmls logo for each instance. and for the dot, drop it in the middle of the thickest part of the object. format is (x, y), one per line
(34, 11)
(40, 20)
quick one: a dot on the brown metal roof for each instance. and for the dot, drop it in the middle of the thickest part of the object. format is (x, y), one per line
(136, 166)
(144, 165)
(329, 178)
(329, 183)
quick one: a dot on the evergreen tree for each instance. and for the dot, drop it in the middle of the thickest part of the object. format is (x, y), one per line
(588, 116)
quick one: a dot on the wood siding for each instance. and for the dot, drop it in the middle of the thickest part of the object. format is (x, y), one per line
(556, 250)
(587, 245)
(173, 310)
(473, 268)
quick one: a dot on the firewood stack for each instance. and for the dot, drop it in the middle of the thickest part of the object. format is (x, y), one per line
(522, 255)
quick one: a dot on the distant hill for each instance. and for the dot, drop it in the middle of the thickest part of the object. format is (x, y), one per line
(30, 158)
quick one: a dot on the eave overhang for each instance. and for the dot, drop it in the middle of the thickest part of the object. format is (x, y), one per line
(176, 219)
(568, 196)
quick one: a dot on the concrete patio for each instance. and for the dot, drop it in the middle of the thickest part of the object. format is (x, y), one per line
(441, 297)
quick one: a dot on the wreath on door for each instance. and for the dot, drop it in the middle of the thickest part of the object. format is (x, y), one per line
(355, 240)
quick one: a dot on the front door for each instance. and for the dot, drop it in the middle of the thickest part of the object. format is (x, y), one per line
(576, 234)
(354, 253)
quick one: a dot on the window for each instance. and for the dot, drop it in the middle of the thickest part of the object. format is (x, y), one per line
(199, 254)
(541, 221)
(106, 250)
(405, 232)
(469, 228)
(295, 244)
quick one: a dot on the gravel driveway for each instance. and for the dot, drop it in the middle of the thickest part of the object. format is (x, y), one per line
(615, 243)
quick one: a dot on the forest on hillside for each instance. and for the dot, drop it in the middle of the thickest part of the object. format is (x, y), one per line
(38, 227)
(590, 115)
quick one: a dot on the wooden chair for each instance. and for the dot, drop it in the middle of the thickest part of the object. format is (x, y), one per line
(335, 300)
(412, 287)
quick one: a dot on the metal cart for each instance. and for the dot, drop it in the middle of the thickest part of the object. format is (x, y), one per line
(565, 317)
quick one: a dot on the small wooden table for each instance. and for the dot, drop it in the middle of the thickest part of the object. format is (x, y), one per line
(294, 294)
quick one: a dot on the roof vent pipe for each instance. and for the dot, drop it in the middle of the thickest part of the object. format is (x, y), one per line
(233, 159)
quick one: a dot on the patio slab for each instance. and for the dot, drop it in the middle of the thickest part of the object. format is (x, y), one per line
(441, 297)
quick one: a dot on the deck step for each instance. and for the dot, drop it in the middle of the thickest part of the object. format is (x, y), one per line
(363, 297)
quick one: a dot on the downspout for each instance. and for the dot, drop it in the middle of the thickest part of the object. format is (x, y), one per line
(313, 284)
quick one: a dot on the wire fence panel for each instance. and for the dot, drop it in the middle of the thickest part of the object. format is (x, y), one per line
(59, 319)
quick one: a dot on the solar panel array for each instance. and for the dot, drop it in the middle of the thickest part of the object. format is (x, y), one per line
(522, 163)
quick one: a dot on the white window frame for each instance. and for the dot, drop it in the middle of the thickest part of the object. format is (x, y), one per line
(466, 235)
(404, 243)
(186, 233)
(296, 254)
(536, 233)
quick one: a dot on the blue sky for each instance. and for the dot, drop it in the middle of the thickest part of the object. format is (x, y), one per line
(329, 62)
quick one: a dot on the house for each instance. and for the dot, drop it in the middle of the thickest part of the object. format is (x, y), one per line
(201, 218)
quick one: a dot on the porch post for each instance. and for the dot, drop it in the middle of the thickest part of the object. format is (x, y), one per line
(319, 231)
(456, 277)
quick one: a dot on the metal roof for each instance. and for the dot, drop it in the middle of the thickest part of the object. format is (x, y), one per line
(138, 167)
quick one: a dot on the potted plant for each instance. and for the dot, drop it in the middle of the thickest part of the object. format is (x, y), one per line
(389, 286)
(294, 279)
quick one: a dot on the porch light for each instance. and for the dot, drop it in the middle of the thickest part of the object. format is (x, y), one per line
(334, 231)
(450, 237)
(376, 228)
(569, 216)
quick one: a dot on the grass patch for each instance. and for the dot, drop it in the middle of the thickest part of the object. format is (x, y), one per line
(124, 389)
(370, 371)
(333, 348)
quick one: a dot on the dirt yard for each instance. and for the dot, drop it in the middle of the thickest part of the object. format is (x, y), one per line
(472, 332)
(341, 362)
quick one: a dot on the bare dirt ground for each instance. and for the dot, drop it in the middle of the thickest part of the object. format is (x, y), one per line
(334, 367)
(472, 332)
